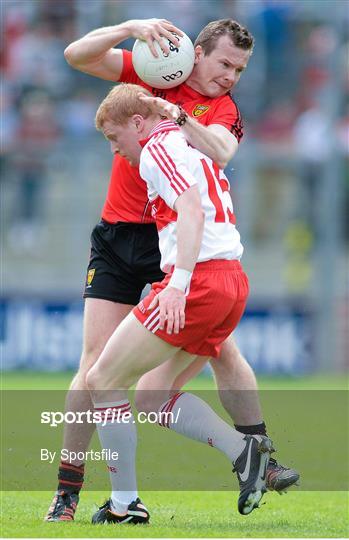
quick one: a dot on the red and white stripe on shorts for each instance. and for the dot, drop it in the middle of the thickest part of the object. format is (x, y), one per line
(152, 323)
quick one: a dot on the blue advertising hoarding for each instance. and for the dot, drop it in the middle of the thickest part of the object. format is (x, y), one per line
(47, 335)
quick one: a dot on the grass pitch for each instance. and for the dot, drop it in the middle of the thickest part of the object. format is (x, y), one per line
(29, 380)
(184, 514)
(187, 514)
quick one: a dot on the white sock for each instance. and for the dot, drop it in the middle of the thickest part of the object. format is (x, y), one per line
(195, 419)
(121, 437)
(120, 500)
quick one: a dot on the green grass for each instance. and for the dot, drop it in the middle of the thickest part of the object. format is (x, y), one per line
(188, 514)
(304, 514)
(29, 380)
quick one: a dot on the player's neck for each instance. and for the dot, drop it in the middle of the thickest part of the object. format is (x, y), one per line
(195, 84)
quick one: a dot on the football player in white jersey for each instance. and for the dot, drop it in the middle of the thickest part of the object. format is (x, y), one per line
(189, 314)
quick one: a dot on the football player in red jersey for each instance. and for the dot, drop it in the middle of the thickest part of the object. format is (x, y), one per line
(124, 245)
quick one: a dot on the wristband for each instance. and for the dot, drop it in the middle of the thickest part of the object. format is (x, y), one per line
(182, 118)
(180, 279)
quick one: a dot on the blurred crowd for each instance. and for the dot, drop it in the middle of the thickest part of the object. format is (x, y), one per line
(291, 98)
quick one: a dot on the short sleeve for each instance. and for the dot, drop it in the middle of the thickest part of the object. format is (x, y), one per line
(227, 114)
(163, 167)
(128, 74)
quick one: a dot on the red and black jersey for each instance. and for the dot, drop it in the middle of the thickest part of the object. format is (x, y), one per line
(127, 198)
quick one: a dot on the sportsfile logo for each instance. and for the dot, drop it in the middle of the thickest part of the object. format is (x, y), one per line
(108, 416)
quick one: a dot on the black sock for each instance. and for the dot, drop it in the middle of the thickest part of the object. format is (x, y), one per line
(258, 429)
(70, 477)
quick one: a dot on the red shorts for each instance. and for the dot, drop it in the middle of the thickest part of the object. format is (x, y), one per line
(214, 306)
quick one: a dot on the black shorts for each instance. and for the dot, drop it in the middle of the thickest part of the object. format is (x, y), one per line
(124, 258)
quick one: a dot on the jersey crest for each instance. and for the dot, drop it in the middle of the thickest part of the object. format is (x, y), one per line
(199, 110)
(90, 276)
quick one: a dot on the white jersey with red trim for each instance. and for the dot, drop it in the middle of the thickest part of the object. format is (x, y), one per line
(170, 166)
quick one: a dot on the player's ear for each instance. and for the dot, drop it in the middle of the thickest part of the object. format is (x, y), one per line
(138, 122)
(199, 53)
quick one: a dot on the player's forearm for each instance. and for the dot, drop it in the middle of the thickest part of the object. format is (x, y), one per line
(190, 226)
(94, 46)
(209, 143)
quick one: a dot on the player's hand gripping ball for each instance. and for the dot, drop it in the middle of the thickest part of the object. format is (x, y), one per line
(167, 70)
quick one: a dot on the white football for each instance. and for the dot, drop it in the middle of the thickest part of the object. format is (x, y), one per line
(165, 71)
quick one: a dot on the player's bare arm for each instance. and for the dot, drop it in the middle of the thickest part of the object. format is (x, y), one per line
(215, 140)
(190, 224)
(95, 55)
